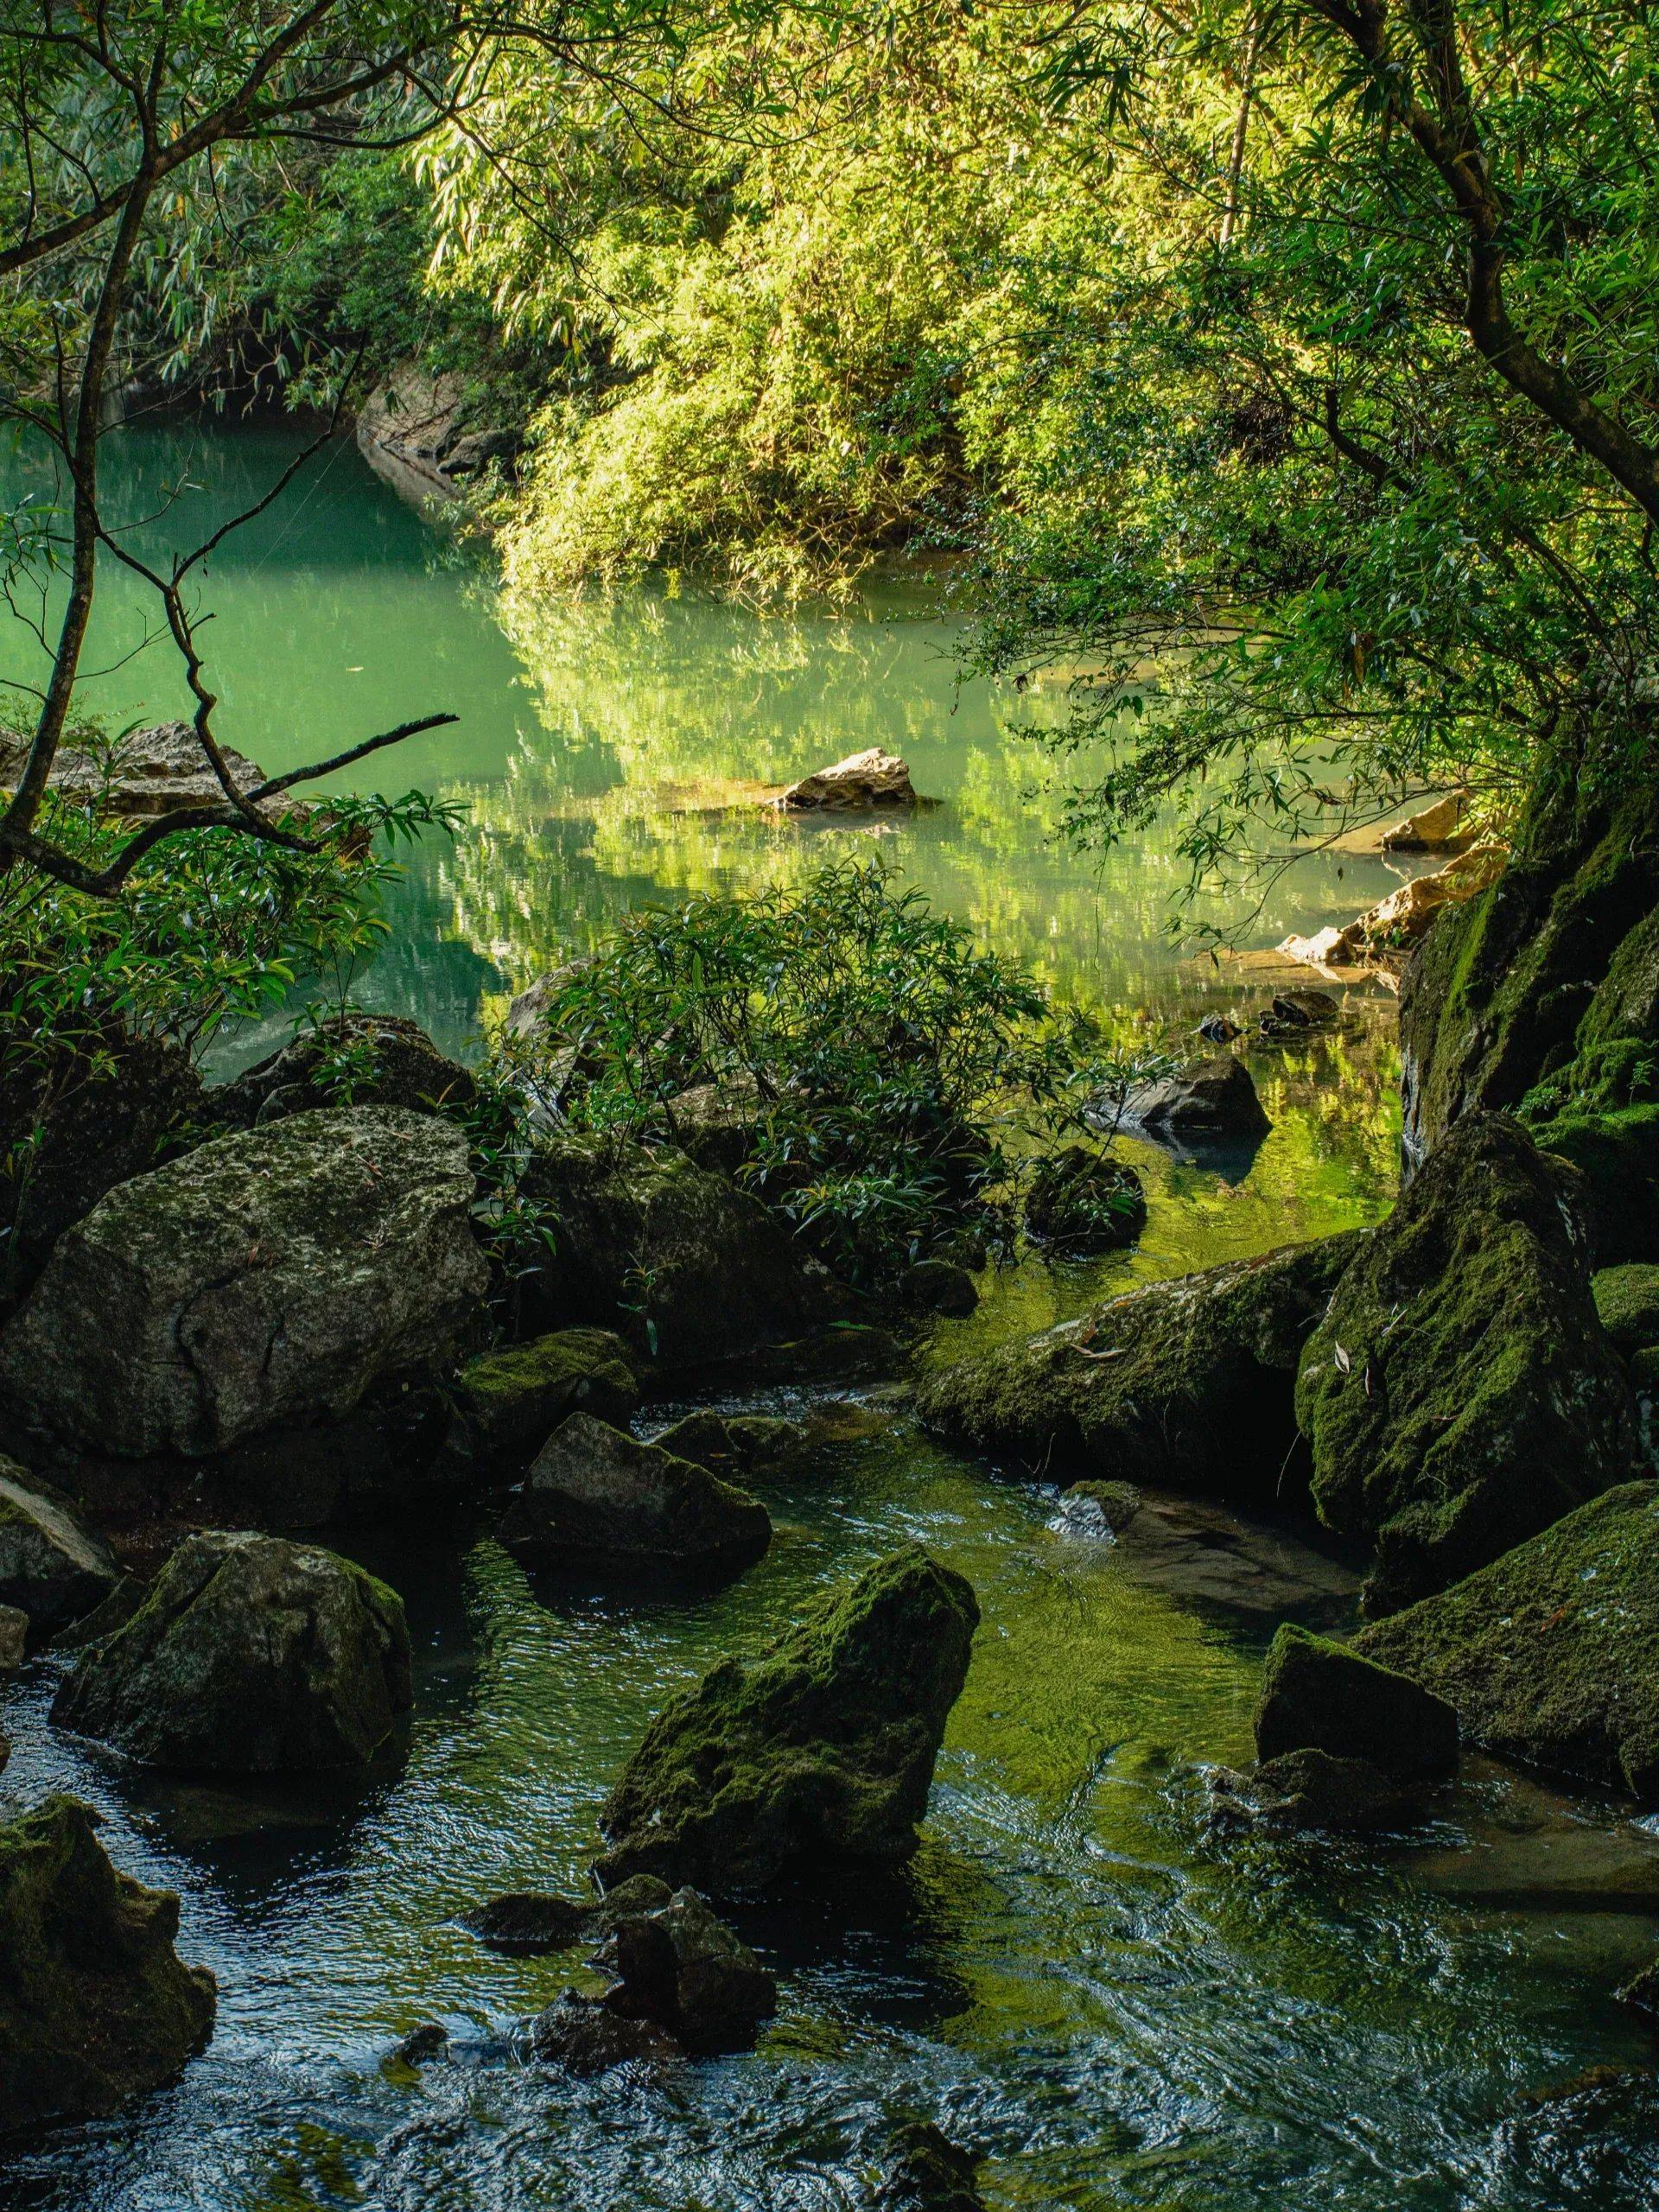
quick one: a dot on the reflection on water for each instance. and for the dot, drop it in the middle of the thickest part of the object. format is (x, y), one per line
(1076, 1977)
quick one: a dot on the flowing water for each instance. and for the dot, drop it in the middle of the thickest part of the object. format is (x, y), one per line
(1079, 1977)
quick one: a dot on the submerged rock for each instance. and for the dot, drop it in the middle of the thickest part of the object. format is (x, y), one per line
(677, 1964)
(1640, 1992)
(1459, 1395)
(595, 1493)
(1188, 1383)
(355, 1059)
(424, 2042)
(677, 1258)
(928, 2173)
(526, 1923)
(507, 1403)
(50, 1568)
(1217, 1099)
(1201, 1551)
(1320, 1696)
(249, 1655)
(95, 2006)
(1551, 1654)
(1313, 1790)
(862, 779)
(586, 2037)
(1081, 1201)
(819, 1752)
(263, 1280)
(734, 1444)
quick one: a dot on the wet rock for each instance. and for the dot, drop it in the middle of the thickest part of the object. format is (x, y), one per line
(820, 1752)
(422, 2044)
(525, 1923)
(264, 1280)
(1097, 1506)
(1217, 1029)
(734, 1444)
(1436, 828)
(595, 1493)
(14, 1638)
(1627, 1305)
(509, 1401)
(1082, 1202)
(50, 1567)
(95, 2006)
(1293, 1013)
(870, 779)
(1188, 1383)
(1560, 1867)
(1641, 1992)
(938, 1287)
(679, 1966)
(353, 1059)
(1458, 1395)
(1200, 1551)
(584, 2035)
(1320, 1696)
(681, 1261)
(928, 2173)
(1312, 1789)
(249, 1655)
(626, 1899)
(1551, 1654)
(1217, 1099)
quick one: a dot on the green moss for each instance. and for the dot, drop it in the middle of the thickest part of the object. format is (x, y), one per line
(1627, 1303)
(1459, 1395)
(511, 1400)
(94, 2004)
(1186, 1383)
(1616, 1154)
(1551, 1654)
(820, 1752)
(1321, 1696)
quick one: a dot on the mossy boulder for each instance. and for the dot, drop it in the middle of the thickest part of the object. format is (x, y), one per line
(1081, 1201)
(263, 1281)
(1186, 1383)
(1314, 1789)
(675, 1256)
(527, 1923)
(50, 1567)
(1627, 1305)
(1615, 1153)
(355, 1058)
(595, 1493)
(1551, 1654)
(1321, 1696)
(818, 1754)
(95, 2005)
(507, 1403)
(250, 1656)
(734, 1444)
(1459, 1395)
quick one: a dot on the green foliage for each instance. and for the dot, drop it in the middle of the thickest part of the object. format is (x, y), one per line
(883, 1080)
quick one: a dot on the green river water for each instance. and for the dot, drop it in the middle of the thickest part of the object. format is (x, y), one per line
(1079, 1977)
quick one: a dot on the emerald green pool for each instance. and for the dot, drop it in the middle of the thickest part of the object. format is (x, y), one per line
(1079, 1977)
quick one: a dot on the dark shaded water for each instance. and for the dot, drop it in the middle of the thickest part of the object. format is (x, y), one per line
(1077, 1977)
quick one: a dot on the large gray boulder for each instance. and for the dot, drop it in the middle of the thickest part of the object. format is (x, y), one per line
(817, 1754)
(265, 1279)
(1187, 1384)
(250, 1656)
(1551, 1654)
(594, 1492)
(50, 1568)
(1460, 1395)
(673, 1257)
(95, 2006)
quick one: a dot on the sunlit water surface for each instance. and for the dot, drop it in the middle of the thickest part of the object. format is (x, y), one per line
(1078, 1977)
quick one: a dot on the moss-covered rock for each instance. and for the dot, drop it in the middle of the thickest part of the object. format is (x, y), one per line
(261, 1280)
(818, 1753)
(95, 2006)
(1080, 1201)
(1459, 1395)
(1313, 1788)
(1186, 1383)
(14, 1639)
(1627, 1305)
(355, 1058)
(938, 1287)
(1615, 1153)
(595, 1493)
(677, 1964)
(507, 1403)
(1551, 1654)
(249, 1655)
(1320, 1696)
(50, 1567)
(734, 1444)
(926, 2173)
(675, 1256)
(527, 1923)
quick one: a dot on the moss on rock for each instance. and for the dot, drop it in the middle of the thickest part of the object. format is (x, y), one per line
(1551, 1654)
(507, 1403)
(1320, 1696)
(1627, 1305)
(1459, 1395)
(95, 2006)
(249, 1655)
(1186, 1383)
(820, 1752)
(1617, 1156)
